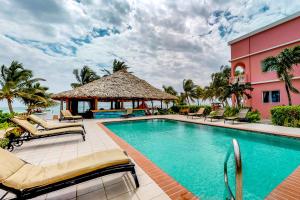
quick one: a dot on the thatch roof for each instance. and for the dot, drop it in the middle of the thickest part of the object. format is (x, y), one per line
(119, 85)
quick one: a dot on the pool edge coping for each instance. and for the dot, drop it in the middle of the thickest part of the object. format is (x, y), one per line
(168, 184)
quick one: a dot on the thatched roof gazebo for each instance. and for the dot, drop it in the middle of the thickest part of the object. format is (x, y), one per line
(119, 87)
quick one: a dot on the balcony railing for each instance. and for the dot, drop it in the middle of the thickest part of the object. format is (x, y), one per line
(240, 79)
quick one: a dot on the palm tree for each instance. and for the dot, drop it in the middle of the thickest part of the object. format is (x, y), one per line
(38, 97)
(117, 66)
(239, 91)
(219, 83)
(14, 80)
(169, 90)
(283, 65)
(86, 75)
(199, 93)
(189, 90)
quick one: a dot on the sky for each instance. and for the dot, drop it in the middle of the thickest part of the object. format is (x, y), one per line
(162, 41)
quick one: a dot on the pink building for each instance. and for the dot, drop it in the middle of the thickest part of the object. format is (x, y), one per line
(247, 53)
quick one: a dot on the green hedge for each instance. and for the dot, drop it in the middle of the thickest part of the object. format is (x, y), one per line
(286, 116)
(253, 116)
(192, 108)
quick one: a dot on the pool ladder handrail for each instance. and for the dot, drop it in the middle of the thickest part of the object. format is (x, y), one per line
(238, 172)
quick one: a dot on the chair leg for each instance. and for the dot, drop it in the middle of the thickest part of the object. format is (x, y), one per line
(83, 135)
(136, 181)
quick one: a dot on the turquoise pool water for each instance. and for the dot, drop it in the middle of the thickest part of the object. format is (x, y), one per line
(116, 114)
(194, 154)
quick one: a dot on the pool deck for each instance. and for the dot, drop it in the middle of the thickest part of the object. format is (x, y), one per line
(155, 184)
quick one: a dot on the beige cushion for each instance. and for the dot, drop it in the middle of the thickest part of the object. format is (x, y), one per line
(66, 113)
(30, 176)
(25, 125)
(61, 125)
(9, 164)
(38, 120)
(48, 125)
(58, 131)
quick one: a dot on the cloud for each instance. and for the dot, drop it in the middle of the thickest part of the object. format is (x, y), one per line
(162, 42)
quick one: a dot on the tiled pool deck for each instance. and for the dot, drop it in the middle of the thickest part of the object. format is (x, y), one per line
(155, 184)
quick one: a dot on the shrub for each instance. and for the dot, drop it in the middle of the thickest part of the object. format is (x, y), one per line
(192, 108)
(230, 111)
(286, 116)
(253, 116)
(3, 142)
(4, 117)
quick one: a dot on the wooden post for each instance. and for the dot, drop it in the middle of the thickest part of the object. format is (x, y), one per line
(61, 107)
(138, 103)
(152, 107)
(111, 105)
(132, 104)
(96, 104)
(67, 104)
(161, 104)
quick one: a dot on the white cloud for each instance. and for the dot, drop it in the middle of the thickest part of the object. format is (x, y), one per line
(163, 42)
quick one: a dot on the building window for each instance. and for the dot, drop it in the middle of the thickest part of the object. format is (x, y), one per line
(271, 96)
(266, 96)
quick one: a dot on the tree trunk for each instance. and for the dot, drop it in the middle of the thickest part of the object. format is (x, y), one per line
(9, 102)
(198, 102)
(238, 103)
(288, 94)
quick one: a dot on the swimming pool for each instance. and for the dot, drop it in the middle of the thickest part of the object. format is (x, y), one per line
(116, 114)
(194, 154)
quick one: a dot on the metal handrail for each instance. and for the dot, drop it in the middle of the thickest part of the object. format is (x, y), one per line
(238, 172)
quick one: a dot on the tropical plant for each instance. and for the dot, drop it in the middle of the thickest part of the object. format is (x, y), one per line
(199, 91)
(84, 76)
(117, 66)
(219, 83)
(208, 93)
(169, 90)
(39, 97)
(14, 80)
(188, 90)
(283, 65)
(239, 91)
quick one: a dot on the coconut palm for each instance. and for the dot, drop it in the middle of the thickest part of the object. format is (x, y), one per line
(239, 91)
(38, 97)
(283, 65)
(188, 90)
(199, 93)
(84, 76)
(219, 83)
(169, 90)
(14, 80)
(117, 66)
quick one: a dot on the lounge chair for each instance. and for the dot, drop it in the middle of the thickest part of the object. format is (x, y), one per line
(219, 114)
(49, 126)
(184, 111)
(26, 180)
(240, 116)
(199, 113)
(67, 115)
(129, 113)
(31, 132)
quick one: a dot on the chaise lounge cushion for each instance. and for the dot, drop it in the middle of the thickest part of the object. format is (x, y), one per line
(59, 131)
(25, 124)
(9, 164)
(48, 125)
(29, 176)
(34, 131)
